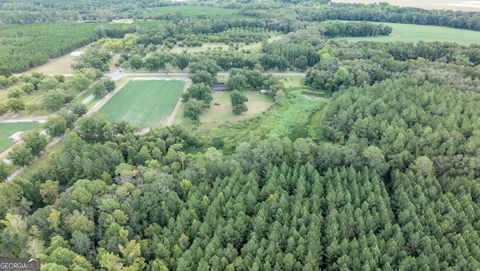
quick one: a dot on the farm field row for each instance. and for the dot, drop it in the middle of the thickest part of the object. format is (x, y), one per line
(428, 33)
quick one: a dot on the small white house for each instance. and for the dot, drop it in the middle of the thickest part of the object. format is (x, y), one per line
(76, 53)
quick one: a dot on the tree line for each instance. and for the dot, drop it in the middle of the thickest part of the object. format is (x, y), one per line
(382, 12)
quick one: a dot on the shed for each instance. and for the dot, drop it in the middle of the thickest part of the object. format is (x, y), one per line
(219, 87)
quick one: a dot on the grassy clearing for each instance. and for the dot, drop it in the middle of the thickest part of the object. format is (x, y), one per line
(145, 103)
(294, 119)
(8, 129)
(60, 65)
(415, 33)
(220, 112)
(189, 11)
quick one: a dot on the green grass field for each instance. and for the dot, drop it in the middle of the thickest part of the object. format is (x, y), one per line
(415, 33)
(145, 103)
(8, 129)
(189, 11)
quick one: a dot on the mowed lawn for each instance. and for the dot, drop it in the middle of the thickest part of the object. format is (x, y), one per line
(415, 33)
(145, 103)
(8, 129)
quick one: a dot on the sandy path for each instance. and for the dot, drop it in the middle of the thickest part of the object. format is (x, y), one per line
(172, 116)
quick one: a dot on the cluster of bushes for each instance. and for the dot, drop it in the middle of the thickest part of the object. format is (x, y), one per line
(30, 84)
(230, 36)
(33, 144)
(241, 79)
(94, 58)
(198, 96)
(55, 91)
(103, 87)
(24, 153)
(354, 29)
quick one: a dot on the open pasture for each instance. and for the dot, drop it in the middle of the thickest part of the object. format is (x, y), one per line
(428, 33)
(145, 103)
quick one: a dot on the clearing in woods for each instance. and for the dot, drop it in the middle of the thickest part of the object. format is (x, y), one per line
(8, 129)
(145, 103)
(415, 33)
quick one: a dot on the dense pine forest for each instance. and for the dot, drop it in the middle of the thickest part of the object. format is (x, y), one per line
(367, 156)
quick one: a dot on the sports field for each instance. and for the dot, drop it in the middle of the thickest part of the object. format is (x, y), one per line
(145, 103)
(8, 129)
(415, 33)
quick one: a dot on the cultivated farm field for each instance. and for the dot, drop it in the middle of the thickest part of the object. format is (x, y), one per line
(428, 33)
(8, 129)
(145, 103)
